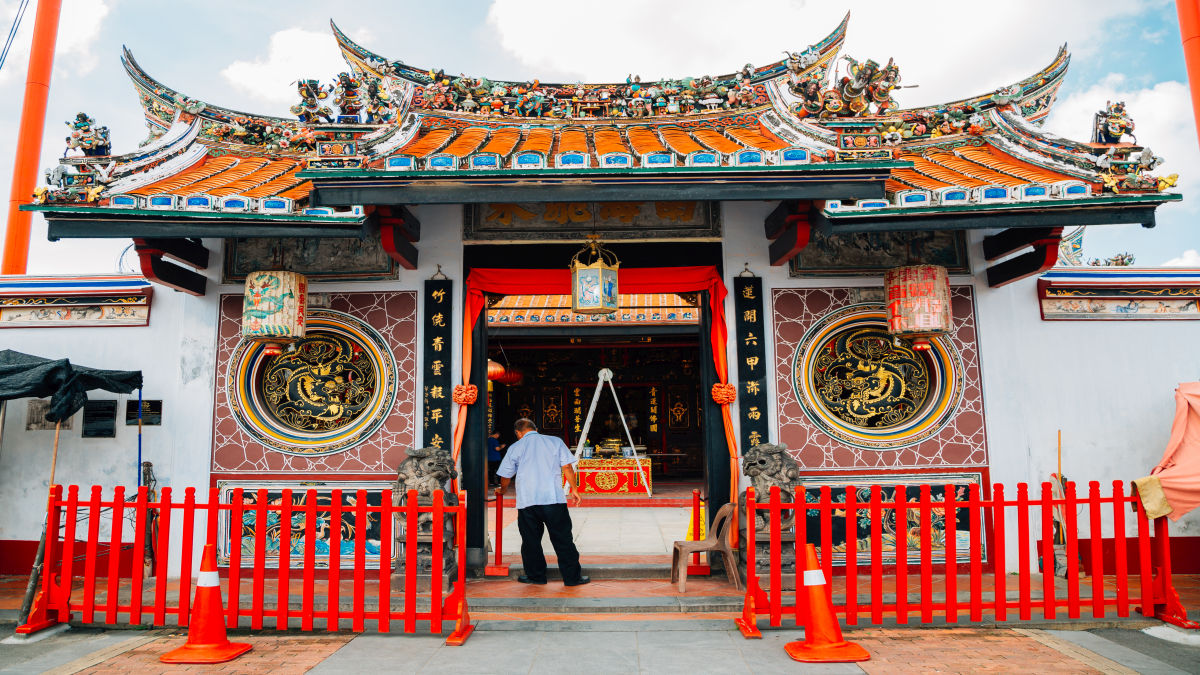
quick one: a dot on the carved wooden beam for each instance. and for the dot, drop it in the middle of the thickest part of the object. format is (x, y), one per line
(187, 251)
(791, 241)
(1037, 261)
(169, 274)
(398, 230)
(1014, 239)
(788, 211)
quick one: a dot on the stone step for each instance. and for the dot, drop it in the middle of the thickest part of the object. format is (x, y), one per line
(636, 605)
(605, 571)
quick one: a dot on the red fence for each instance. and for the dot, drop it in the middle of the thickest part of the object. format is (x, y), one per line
(112, 594)
(964, 584)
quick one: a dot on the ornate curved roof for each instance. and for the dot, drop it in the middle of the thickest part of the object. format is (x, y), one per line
(811, 109)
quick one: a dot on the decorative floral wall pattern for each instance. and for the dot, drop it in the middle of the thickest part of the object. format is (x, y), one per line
(394, 316)
(960, 443)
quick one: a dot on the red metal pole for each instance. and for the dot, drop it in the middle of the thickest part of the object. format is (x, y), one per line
(29, 136)
(499, 569)
(1189, 32)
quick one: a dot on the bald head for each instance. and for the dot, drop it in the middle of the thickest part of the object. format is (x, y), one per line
(524, 426)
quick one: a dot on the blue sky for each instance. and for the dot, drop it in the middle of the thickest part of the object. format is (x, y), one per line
(245, 55)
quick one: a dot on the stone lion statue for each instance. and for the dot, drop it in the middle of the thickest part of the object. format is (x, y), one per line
(427, 470)
(768, 465)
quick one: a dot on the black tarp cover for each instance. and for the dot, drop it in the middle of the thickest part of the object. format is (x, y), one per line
(25, 375)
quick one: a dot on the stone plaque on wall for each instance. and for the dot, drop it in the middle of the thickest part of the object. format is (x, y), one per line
(570, 220)
(318, 258)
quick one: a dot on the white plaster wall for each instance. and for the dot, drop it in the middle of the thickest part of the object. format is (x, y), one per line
(1108, 385)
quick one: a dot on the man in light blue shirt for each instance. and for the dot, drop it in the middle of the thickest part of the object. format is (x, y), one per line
(540, 463)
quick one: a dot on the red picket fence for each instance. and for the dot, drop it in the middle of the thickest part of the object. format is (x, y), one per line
(933, 588)
(74, 587)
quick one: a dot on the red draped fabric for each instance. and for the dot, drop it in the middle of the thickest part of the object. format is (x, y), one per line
(631, 280)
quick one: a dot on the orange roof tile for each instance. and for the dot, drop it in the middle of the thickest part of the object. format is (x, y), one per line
(608, 140)
(299, 192)
(572, 140)
(972, 169)
(258, 177)
(756, 137)
(679, 140)
(644, 141)
(428, 143)
(912, 179)
(716, 140)
(275, 186)
(941, 173)
(539, 139)
(243, 168)
(503, 141)
(467, 142)
(209, 166)
(1001, 161)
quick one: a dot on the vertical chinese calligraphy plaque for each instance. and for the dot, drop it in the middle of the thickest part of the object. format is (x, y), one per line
(435, 394)
(751, 360)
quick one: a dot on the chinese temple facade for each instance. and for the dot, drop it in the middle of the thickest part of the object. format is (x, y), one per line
(390, 268)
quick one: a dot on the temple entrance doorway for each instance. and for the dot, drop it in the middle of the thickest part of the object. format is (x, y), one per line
(552, 379)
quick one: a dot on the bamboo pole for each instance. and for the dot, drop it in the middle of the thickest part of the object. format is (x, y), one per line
(35, 574)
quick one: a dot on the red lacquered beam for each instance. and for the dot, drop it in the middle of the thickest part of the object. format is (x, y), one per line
(385, 561)
(1047, 512)
(975, 512)
(926, 556)
(236, 525)
(260, 559)
(284, 579)
(410, 562)
(334, 613)
(360, 560)
(185, 562)
(950, 518)
(1000, 583)
(307, 609)
(92, 551)
(68, 553)
(1097, 539)
(1024, 546)
(1072, 537)
(774, 518)
(876, 512)
(851, 556)
(437, 574)
(1121, 569)
(114, 556)
(139, 554)
(901, 555)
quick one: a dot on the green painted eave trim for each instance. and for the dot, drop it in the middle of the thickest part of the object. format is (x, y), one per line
(815, 168)
(1046, 204)
(109, 212)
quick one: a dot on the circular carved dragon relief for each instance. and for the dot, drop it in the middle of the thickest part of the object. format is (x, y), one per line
(329, 393)
(860, 385)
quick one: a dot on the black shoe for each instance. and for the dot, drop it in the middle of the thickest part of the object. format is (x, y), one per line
(526, 580)
(582, 580)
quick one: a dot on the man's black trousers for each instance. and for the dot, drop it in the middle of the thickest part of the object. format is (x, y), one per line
(557, 520)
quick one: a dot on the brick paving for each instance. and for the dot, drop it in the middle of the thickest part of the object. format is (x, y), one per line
(960, 650)
(279, 654)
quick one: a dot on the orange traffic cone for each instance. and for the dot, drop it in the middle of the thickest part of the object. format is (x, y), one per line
(823, 641)
(206, 641)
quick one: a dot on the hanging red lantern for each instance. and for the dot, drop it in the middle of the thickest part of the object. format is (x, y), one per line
(512, 376)
(495, 371)
(918, 303)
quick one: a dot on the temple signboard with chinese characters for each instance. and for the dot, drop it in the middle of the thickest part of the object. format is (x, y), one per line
(751, 360)
(438, 299)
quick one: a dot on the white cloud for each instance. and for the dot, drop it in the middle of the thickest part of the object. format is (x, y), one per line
(292, 54)
(79, 27)
(1189, 258)
(949, 55)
